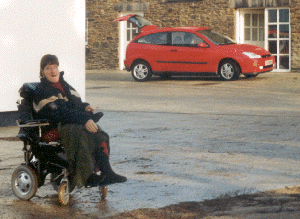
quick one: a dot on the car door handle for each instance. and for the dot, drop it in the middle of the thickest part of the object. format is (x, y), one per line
(173, 50)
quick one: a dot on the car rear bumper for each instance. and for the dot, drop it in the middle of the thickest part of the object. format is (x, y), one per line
(127, 64)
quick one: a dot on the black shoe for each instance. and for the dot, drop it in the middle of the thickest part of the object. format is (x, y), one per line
(112, 178)
(97, 116)
(94, 180)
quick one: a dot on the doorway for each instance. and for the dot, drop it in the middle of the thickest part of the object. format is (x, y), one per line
(254, 28)
(126, 33)
(268, 28)
(278, 40)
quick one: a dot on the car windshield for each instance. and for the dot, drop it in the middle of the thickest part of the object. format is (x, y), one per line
(139, 21)
(216, 37)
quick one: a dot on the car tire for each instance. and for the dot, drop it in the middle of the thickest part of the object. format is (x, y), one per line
(229, 70)
(141, 71)
(250, 75)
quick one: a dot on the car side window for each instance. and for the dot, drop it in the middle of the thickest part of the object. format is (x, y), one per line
(185, 39)
(155, 38)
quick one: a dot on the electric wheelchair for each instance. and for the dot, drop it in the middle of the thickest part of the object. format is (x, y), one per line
(41, 157)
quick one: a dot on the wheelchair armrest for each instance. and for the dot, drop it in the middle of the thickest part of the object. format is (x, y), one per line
(22, 136)
(33, 123)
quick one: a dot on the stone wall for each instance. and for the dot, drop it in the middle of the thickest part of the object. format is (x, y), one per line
(102, 49)
(295, 29)
(103, 33)
(260, 3)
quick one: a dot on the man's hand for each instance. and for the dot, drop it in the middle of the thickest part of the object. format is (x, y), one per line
(91, 126)
(90, 109)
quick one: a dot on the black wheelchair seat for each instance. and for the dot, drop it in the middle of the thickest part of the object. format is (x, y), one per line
(41, 157)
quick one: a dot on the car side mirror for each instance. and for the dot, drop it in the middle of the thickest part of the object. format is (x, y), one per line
(202, 45)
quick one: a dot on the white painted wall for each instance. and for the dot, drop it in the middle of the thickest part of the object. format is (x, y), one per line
(32, 28)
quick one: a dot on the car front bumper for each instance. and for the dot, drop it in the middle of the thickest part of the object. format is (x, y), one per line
(258, 65)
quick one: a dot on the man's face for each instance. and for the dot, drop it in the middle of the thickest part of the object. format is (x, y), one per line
(51, 73)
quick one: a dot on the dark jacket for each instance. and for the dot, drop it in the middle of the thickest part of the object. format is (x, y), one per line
(58, 107)
(81, 146)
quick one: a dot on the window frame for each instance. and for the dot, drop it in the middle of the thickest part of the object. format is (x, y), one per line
(186, 45)
(168, 39)
(278, 39)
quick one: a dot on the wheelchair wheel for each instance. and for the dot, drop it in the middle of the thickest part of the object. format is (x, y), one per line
(103, 192)
(63, 194)
(55, 183)
(24, 182)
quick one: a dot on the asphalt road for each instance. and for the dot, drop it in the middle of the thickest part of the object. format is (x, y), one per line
(183, 139)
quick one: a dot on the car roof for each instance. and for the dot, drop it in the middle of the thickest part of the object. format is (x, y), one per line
(188, 28)
(167, 29)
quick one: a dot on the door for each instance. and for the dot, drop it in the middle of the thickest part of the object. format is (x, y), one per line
(126, 33)
(254, 28)
(250, 27)
(274, 35)
(155, 49)
(278, 40)
(186, 55)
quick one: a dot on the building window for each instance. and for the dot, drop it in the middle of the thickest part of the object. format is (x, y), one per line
(131, 31)
(278, 37)
(253, 27)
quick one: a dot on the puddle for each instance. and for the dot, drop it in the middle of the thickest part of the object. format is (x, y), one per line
(10, 139)
(90, 88)
(205, 84)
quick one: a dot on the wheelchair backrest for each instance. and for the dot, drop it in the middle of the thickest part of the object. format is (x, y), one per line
(25, 106)
(26, 111)
(28, 89)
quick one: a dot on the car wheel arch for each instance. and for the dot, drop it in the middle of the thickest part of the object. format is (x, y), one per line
(141, 70)
(229, 59)
(139, 60)
(229, 69)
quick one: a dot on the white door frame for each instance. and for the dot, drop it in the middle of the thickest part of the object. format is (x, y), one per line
(240, 26)
(277, 39)
(123, 37)
(240, 35)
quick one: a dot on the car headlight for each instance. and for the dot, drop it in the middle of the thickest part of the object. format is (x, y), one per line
(252, 55)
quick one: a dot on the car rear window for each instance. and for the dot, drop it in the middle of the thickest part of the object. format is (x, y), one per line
(155, 38)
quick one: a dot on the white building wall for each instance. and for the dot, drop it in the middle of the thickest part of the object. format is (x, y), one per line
(32, 28)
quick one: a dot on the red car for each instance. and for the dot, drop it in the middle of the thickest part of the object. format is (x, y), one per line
(190, 50)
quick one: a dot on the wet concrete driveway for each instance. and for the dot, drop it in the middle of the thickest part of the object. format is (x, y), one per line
(184, 139)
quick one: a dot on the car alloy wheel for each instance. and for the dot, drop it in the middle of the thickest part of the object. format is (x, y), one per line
(141, 71)
(229, 71)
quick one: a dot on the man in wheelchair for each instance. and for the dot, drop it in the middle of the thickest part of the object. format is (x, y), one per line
(71, 121)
